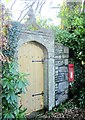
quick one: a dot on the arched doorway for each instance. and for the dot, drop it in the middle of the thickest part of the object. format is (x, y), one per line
(32, 60)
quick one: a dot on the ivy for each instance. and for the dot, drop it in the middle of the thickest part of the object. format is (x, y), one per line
(13, 82)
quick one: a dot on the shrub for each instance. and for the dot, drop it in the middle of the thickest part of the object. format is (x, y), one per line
(13, 82)
(72, 35)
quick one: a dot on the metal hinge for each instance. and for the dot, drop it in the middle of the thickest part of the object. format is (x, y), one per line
(38, 61)
(38, 94)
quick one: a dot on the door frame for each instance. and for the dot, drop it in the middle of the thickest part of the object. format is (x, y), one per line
(49, 74)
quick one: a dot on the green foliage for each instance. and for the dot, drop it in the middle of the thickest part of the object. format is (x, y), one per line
(79, 85)
(12, 40)
(13, 82)
(70, 16)
(63, 106)
(72, 41)
(45, 23)
(72, 34)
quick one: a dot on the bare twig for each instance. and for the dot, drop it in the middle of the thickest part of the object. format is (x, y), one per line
(26, 12)
(35, 4)
(41, 5)
(13, 4)
(25, 8)
(51, 2)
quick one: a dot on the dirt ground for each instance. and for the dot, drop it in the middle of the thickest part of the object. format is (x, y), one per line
(68, 114)
(64, 112)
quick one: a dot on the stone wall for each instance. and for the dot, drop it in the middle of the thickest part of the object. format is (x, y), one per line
(61, 73)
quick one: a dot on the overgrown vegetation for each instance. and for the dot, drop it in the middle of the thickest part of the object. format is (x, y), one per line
(72, 34)
(63, 106)
(13, 82)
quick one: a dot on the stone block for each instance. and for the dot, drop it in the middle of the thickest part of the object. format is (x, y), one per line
(61, 77)
(56, 72)
(56, 80)
(56, 57)
(56, 75)
(64, 56)
(63, 69)
(59, 49)
(62, 86)
(66, 50)
(67, 55)
(56, 87)
(66, 61)
(59, 63)
(66, 76)
(61, 98)
(56, 67)
(59, 56)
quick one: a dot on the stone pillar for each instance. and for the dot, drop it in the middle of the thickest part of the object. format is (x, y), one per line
(51, 82)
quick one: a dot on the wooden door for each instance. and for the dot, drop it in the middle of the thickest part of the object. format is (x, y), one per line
(31, 61)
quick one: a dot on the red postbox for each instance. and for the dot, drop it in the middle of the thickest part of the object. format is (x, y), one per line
(71, 72)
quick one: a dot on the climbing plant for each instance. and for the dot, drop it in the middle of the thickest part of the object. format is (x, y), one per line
(13, 82)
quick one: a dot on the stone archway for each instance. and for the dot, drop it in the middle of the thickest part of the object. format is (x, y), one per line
(45, 41)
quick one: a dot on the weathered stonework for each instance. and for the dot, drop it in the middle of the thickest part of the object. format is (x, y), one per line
(55, 65)
(45, 39)
(61, 73)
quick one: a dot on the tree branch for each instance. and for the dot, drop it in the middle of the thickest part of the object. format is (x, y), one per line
(25, 8)
(13, 4)
(26, 12)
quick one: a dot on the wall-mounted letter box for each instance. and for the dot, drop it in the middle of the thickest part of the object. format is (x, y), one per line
(71, 72)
